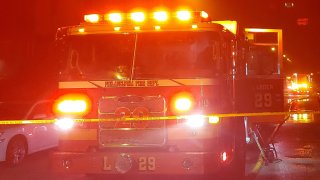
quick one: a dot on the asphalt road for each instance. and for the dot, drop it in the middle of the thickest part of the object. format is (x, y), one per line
(298, 147)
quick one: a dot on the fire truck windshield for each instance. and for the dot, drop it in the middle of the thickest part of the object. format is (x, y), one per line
(153, 55)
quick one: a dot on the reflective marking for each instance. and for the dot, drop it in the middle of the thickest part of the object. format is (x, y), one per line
(137, 83)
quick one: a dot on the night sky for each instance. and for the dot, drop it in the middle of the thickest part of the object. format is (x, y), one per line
(28, 27)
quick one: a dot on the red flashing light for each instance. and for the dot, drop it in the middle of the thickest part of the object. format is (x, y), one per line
(182, 103)
(72, 104)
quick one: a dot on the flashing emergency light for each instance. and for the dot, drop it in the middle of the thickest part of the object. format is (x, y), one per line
(114, 17)
(140, 16)
(81, 30)
(70, 106)
(204, 14)
(92, 18)
(160, 16)
(75, 104)
(137, 28)
(184, 15)
(137, 16)
(296, 86)
(183, 104)
(302, 118)
(157, 27)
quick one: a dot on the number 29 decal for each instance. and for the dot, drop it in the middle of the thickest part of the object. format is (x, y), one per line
(147, 163)
(263, 100)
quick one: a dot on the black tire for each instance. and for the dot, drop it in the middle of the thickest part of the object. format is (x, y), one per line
(16, 151)
(236, 168)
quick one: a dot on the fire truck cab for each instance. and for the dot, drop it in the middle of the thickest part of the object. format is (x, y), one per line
(155, 93)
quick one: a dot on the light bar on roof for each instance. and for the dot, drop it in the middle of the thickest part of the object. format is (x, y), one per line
(138, 17)
(184, 15)
(160, 16)
(114, 17)
(92, 18)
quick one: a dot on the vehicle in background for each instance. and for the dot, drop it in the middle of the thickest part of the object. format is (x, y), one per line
(302, 94)
(299, 84)
(19, 140)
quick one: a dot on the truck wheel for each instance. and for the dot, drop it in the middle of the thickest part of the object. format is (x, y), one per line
(236, 168)
(16, 151)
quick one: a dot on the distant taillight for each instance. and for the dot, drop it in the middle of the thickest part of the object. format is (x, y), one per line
(224, 156)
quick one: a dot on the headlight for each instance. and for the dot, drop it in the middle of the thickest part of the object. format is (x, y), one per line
(196, 121)
(137, 16)
(65, 123)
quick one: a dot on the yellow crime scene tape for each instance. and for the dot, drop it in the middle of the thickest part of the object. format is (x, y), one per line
(44, 121)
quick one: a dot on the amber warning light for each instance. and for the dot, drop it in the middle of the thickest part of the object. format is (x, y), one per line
(141, 16)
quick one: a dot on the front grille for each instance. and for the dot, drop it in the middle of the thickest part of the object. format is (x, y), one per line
(114, 131)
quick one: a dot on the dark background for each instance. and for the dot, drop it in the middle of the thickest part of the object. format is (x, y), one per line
(28, 29)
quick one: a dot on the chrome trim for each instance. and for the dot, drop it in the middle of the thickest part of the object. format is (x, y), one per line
(131, 103)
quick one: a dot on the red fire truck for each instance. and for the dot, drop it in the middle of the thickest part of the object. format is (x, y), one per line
(156, 93)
